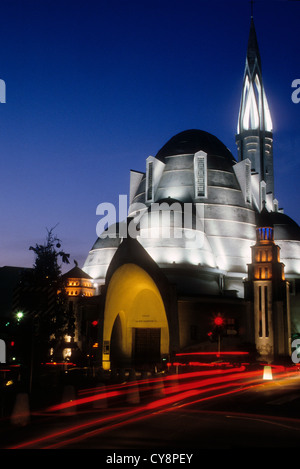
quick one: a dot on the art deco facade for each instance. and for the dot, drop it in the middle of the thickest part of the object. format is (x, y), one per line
(185, 253)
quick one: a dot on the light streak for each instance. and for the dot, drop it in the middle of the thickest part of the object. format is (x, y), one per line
(123, 389)
(203, 383)
(128, 417)
(73, 429)
(195, 374)
(182, 354)
(84, 400)
(151, 406)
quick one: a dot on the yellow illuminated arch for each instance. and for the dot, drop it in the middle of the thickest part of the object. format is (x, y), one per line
(134, 299)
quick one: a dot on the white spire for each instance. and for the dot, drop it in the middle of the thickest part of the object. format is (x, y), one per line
(255, 129)
(254, 110)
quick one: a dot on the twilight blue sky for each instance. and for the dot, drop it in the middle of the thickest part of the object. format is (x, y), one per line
(95, 87)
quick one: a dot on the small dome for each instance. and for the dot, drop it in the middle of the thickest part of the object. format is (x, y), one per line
(76, 272)
(191, 141)
(285, 227)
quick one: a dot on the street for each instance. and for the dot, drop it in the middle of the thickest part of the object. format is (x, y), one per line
(208, 409)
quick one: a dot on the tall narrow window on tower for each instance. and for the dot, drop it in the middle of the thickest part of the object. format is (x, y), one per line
(150, 182)
(259, 312)
(200, 173)
(266, 312)
(248, 182)
(263, 194)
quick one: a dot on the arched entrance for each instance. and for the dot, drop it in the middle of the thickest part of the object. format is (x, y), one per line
(135, 326)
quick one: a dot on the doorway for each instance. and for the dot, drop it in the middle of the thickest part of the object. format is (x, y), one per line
(146, 345)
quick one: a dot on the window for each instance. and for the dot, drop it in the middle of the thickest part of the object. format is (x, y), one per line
(248, 183)
(259, 312)
(266, 313)
(266, 272)
(150, 181)
(263, 194)
(269, 255)
(200, 173)
(263, 311)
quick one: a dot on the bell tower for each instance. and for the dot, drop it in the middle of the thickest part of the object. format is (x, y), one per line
(268, 292)
(254, 136)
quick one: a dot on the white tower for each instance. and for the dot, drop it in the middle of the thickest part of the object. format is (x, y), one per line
(255, 131)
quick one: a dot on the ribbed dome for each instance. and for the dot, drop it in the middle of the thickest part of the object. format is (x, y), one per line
(191, 141)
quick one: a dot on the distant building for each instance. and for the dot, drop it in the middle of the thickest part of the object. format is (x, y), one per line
(80, 290)
(78, 283)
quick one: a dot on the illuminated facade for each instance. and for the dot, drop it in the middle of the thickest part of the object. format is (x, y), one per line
(78, 283)
(79, 286)
(195, 212)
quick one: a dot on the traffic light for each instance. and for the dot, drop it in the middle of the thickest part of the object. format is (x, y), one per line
(219, 321)
(217, 331)
(94, 333)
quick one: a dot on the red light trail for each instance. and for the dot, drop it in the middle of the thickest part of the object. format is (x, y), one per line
(185, 394)
(84, 400)
(185, 354)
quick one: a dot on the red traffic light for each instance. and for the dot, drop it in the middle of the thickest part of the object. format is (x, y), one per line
(218, 321)
(94, 323)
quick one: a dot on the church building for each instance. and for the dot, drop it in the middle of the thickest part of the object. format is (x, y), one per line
(204, 238)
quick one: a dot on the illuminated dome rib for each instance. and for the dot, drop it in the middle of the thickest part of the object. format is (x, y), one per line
(254, 109)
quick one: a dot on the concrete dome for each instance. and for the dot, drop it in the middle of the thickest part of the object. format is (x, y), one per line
(191, 141)
(226, 230)
(227, 222)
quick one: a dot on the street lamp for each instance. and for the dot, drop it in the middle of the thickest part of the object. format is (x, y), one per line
(19, 315)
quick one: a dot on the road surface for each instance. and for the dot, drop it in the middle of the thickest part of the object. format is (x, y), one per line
(201, 411)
